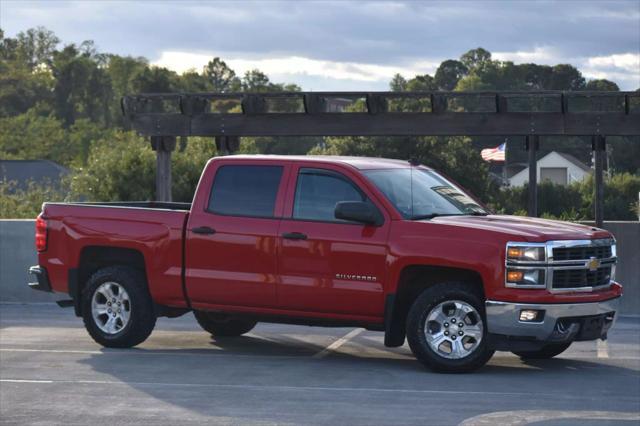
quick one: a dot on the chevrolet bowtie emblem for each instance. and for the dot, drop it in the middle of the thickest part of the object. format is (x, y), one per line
(593, 264)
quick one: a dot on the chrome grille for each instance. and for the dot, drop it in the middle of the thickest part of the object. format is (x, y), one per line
(581, 265)
(581, 253)
(581, 278)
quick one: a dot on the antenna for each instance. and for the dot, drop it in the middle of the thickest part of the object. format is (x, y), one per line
(412, 163)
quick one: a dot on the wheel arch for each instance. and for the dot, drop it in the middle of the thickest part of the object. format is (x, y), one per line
(413, 280)
(93, 258)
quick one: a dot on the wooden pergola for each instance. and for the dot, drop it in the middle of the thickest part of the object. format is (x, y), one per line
(227, 116)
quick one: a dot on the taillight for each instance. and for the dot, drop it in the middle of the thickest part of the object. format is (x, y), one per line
(41, 234)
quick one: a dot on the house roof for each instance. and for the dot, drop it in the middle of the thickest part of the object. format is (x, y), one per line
(38, 171)
(573, 160)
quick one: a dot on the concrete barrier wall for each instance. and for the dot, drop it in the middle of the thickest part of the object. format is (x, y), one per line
(628, 269)
(17, 253)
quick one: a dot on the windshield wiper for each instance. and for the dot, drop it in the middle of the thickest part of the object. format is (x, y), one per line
(432, 215)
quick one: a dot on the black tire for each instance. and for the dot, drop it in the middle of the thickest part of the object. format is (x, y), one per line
(416, 322)
(142, 317)
(219, 326)
(547, 351)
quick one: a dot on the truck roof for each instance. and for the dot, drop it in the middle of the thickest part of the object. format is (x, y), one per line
(361, 163)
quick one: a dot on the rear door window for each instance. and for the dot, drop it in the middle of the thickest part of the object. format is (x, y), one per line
(245, 190)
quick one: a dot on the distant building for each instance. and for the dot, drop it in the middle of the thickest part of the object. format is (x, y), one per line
(556, 167)
(41, 172)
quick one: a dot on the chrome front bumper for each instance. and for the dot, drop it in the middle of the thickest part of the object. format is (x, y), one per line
(503, 318)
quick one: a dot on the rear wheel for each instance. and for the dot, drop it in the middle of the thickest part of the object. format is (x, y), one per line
(547, 351)
(220, 326)
(116, 307)
(446, 329)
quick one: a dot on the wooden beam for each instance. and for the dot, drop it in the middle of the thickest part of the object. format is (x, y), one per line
(385, 124)
(532, 203)
(472, 114)
(599, 153)
(163, 146)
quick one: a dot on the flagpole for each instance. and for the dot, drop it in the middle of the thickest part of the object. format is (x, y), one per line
(504, 164)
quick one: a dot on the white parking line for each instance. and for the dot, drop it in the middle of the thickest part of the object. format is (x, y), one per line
(150, 352)
(54, 351)
(341, 341)
(603, 348)
(525, 417)
(267, 387)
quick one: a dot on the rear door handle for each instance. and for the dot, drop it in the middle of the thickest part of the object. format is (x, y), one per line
(294, 236)
(203, 230)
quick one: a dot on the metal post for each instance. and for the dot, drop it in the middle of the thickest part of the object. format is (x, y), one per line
(598, 145)
(532, 143)
(163, 146)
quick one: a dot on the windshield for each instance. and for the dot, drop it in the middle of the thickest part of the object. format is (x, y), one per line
(420, 193)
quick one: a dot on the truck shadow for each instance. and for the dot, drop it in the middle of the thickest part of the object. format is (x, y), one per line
(250, 378)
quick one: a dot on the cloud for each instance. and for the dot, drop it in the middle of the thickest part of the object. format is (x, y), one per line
(295, 66)
(540, 55)
(370, 39)
(629, 62)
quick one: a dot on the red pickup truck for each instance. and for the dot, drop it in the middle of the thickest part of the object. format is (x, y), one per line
(332, 241)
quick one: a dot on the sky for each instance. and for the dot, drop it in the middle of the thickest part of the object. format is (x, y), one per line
(347, 45)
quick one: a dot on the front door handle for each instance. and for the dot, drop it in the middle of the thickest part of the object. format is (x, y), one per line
(294, 236)
(203, 230)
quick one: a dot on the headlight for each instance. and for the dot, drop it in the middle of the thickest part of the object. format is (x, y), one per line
(526, 253)
(525, 278)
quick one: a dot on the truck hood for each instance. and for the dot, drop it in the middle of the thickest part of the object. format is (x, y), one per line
(527, 228)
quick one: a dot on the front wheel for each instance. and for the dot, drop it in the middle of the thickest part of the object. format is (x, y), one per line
(446, 329)
(116, 307)
(547, 351)
(220, 326)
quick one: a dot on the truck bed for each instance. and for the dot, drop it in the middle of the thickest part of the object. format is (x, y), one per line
(153, 230)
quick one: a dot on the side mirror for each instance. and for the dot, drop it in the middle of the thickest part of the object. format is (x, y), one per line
(358, 211)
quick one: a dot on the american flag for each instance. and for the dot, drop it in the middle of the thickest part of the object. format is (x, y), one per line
(494, 154)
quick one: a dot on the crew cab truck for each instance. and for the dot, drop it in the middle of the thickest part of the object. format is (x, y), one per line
(333, 241)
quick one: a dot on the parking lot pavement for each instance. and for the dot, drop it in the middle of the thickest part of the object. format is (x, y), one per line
(52, 372)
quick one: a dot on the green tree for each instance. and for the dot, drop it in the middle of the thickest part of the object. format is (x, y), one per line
(602, 85)
(449, 73)
(119, 169)
(422, 83)
(566, 77)
(255, 81)
(25, 79)
(472, 83)
(155, 80)
(35, 47)
(475, 59)
(220, 76)
(32, 136)
(16, 203)
(83, 88)
(535, 77)
(398, 83)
